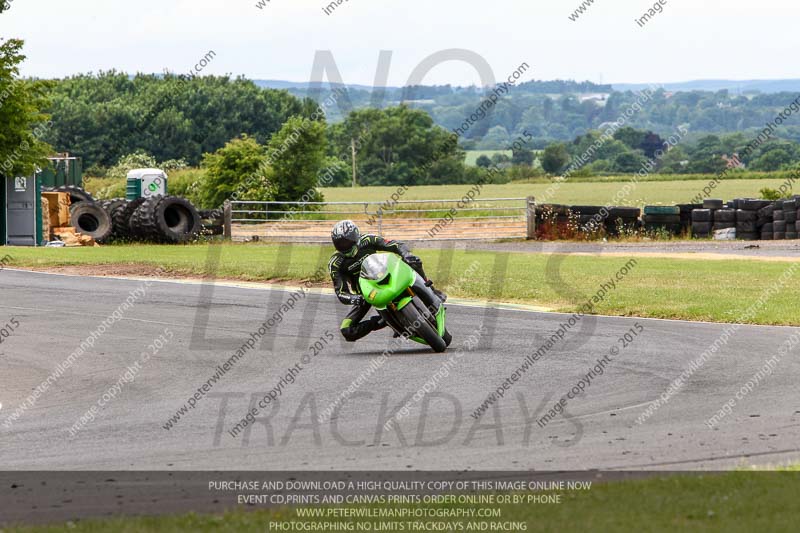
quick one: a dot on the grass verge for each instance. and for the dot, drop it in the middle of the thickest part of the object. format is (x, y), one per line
(731, 502)
(715, 291)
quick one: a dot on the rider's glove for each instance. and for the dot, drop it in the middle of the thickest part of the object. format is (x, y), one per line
(412, 260)
(356, 299)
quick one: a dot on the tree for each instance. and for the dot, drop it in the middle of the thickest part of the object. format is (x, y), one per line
(238, 167)
(23, 122)
(483, 161)
(105, 116)
(773, 160)
(297, 156)
(522, 156)
(633, 138)
(398, 146)
(628, 162)
(501, 160)
(555, 158)
(651, 144)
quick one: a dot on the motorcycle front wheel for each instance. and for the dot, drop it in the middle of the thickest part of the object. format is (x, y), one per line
(419, 324)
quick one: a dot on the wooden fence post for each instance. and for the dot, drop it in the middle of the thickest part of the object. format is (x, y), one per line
(530, 202)
(226, 215)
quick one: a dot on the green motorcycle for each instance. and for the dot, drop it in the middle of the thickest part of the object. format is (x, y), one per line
(401, 297)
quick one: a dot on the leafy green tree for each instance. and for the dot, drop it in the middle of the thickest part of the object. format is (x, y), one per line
(501, 159)
(105, 116)
(631, 137)
(555, 158)
(129, 162)
(297, 155)
(23, 122)
(483, 161)
(237, 169)
(651, 144)
(522, 157)
(398, 146)
(773, 160)
(628, 162)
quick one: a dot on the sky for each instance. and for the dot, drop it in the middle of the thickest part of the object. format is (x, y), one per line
(688, 40)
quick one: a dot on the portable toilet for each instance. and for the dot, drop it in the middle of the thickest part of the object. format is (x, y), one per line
(145, 182)
(21, 216)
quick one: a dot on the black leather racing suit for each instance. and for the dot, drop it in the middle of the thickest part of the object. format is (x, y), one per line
(344, 273)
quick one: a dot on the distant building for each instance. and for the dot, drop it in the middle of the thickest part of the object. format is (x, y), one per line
(734, 162)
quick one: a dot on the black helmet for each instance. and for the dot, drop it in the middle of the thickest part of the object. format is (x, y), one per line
(345, 237)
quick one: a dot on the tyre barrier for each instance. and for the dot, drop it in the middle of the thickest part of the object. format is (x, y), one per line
(167, 219)
(751, 218)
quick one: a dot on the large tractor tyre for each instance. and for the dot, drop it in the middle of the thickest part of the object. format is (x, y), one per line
(414, 316)
(121, 218)
(109, 206)
(90, 219)
(76, 194)
(168, 219)
(178, 220)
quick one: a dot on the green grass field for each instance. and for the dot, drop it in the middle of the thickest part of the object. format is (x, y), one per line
(711, 290)
(603, 191)
(733, 502)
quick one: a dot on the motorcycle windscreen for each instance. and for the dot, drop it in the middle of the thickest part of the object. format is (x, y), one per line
(391, 283)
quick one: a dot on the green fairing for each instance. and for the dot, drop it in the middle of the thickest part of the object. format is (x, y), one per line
(381, 293)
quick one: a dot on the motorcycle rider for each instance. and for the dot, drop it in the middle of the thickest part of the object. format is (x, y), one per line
(345, 265)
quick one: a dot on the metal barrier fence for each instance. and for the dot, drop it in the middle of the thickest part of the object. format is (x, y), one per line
(411, 220)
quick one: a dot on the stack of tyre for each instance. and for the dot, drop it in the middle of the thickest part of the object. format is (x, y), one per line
(764, 222)
(748, 217)
(705, 221)
(784, 219)
(612, 220)
(662, 218)
(686, 216)
(165, 219)
(796, 217)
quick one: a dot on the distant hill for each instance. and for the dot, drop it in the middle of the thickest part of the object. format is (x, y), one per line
(733, 86)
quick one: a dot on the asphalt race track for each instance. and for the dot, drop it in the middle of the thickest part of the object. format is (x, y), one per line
(204, 325)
